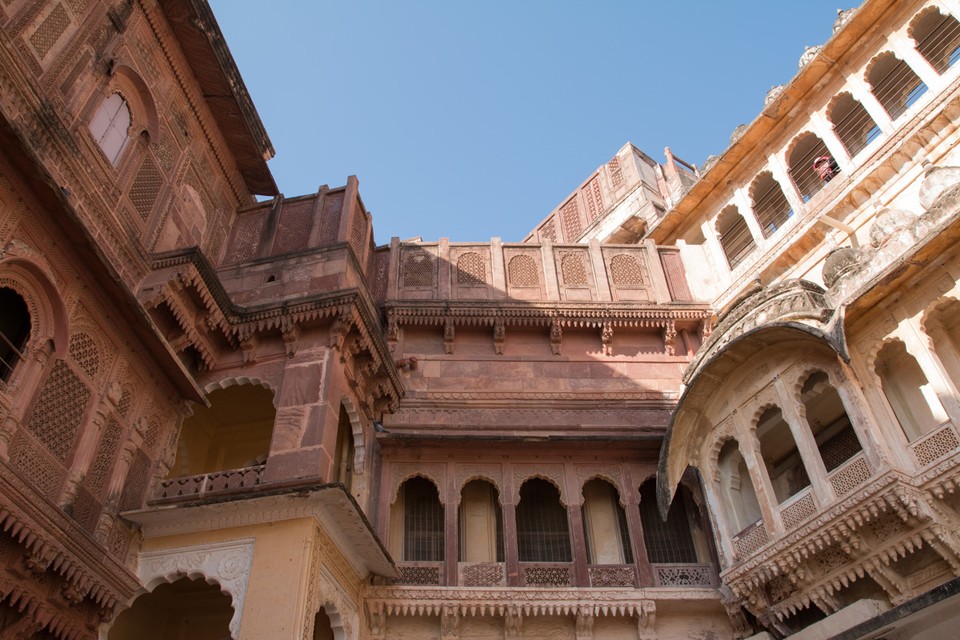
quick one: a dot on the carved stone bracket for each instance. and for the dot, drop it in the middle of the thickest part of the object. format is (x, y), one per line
(225, 563)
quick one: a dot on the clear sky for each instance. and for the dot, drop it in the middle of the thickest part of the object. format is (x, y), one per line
(469, 120)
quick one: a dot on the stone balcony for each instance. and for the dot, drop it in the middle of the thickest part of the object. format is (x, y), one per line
(197, 487)
(891, 526)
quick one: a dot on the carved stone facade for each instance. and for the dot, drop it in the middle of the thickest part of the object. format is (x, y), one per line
(250, 415)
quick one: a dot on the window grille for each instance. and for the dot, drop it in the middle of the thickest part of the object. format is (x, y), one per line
(895, 84)
(938, 39)
(422, 522)
(811, 165)
(852, 123)
(770, 204)
(14, 331)
(735, 237)
(543, 533)
(670, 541)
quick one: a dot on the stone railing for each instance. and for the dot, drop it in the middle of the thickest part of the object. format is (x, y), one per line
(850, 475)
(798, 508)
(750, 540)
(482, 574)
(935, 445)
(612, 575)
(683, 575)
(204, 484)
(420, 573)
(546, 574)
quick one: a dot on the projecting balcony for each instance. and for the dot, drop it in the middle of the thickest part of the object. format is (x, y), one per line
(204, 485)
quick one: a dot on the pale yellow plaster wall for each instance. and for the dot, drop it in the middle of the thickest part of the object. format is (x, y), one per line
(277, 590)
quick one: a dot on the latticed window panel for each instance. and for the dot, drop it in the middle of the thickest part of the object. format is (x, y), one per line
(248, 232)
(138, 477)
(936, 446)
(146, 187)
(471, 269)
(523, 271)
(58, 414)
(613, 576)
(485, 574)
(616, 173)
(98, 475)
(593, 194)
(798, 511)
(840, 448)
(573, 269)
(543, 533)
(423, 533)
(625, 270)
(750, 540)
(694, 575)
(84, 353)
(330, 219)
(548, 231)
(570, 220)
(358, 232)
(50, 30)
(850, 477)
(547, 576)
(293, 229)
(86, 510)
(36, 464)
(676, 276)
(420, 574)
(670, 541)
(418, 269)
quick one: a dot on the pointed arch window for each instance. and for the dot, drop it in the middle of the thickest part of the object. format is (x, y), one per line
(852, 123)
(735, 237)
(938, 38)
(895, 85)
(543, 533)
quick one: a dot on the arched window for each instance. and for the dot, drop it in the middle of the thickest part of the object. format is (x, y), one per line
(736, 488)
(234, 432)
(673, 541)
(780, 456)
(895, 85)
(769, 204)
(811, 165)
(937, 37)
(110, 126)
(343, 457)
(828, 421)
(322, 627)
(943, 327)
(480, 523)
(852, 123)
(14, 330)
(735, 237)
(423, 539)
(543, 534)
(605, 525)
(170, 609)
(907, 390)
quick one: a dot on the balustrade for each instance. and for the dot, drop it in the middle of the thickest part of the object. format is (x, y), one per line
(206, 483)
(935, 445)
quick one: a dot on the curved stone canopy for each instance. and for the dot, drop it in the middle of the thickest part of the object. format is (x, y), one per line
(791, 313)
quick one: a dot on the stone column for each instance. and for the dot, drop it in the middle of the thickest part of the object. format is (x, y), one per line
(510, 550)
(715, 248)
(902, 45)
(796, 419)
(581, 576)
(635, 528)
(741, 197)
(762, 487)
(781, 173)
(451, 509)
(862, 91)
(822, 127)
(921, 348)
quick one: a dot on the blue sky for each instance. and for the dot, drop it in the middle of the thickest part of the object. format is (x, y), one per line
(469, 120)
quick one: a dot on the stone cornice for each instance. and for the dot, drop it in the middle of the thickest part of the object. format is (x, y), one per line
(58, 544)
(329, 504)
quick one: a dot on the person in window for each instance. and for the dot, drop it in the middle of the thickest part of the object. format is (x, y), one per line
(826, 167)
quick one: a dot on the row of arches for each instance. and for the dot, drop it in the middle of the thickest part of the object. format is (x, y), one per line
(540, 525)
(889, 85)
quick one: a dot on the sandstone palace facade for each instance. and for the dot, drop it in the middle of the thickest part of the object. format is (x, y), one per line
(707, 402)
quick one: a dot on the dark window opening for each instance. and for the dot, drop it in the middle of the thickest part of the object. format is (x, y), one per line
(422, 522)
(543, 533)
(14, 331)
